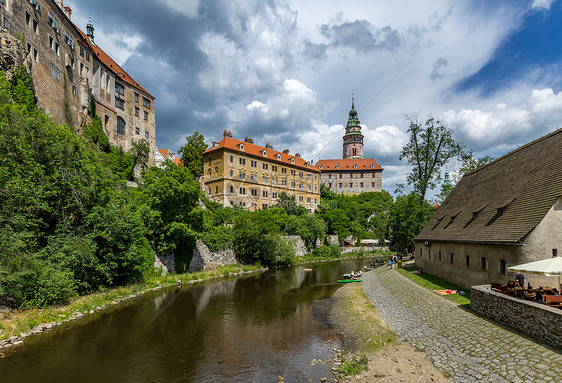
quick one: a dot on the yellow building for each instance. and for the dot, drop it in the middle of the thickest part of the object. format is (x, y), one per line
(239, 173)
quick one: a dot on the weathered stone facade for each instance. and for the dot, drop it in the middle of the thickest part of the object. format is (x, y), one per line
(203, 258)
(298, 244)
(532, 318)
(69, 70)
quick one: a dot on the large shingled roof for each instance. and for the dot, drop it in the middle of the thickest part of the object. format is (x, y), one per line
(347, 164)
(502, 202)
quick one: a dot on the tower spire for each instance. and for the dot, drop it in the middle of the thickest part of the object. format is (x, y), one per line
(353, 139)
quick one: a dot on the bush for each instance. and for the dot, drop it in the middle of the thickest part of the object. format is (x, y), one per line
(327, 251)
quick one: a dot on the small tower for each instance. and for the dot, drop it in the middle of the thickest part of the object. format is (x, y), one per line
(90, 31)
(353, 139)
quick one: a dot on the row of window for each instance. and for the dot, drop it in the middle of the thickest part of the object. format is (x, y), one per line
(255, 192)
(121, 128)
(265, 166)
(353, 175)
(351, 184)
(483, 260)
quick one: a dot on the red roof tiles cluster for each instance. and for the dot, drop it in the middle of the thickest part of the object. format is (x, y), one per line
(258, 151)
(348, 164)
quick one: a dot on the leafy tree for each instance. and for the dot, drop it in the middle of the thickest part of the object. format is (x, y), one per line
(430, 146)
(407, 218)
(289, 203)
(192, 153)
(470, 163)
(140, 153)
(338, 223)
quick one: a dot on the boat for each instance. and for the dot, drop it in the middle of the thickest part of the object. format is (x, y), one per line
(349, 280)
(346, 276)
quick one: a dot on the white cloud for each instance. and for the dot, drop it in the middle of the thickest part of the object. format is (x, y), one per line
(542, 4)
(187, 8)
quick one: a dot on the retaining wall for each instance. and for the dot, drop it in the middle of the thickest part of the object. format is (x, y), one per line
(203, 258)
(535, 319)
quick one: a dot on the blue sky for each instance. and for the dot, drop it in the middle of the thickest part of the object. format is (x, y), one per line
(283, 72)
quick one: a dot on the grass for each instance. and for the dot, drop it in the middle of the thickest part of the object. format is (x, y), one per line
(353, 366)
(16, 322)
(431, 282)
(309, 258)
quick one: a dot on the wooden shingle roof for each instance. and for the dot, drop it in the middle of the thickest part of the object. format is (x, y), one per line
(503, 201)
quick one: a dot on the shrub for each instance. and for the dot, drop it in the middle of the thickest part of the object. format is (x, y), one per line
(327, 251)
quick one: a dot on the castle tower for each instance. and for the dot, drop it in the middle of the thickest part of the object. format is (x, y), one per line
(353, 139)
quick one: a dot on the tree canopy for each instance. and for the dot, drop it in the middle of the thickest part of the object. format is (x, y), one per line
(191, 153)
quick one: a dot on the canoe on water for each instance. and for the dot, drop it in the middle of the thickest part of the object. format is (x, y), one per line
(349, 280)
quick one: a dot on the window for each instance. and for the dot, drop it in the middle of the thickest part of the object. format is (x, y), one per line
(216, 189)
(264, 193)
(81, 51)
(231, 158)
(137, 130)
(231, 189)
(467, 261)
(51, 43)
(265, 180)
(242, 175)
(57, 49)
(293, 172)
(361, 184)
(145, 102)
(284, 170)
(242, 190)
(27, 19)
(372, 184)
(483, 263)
(119, 103)
(274, 194)
(308, 176)
(301, 186)
(137, 111)
(340, 175)
(439, 256)
(292, 184)
(209, 190)
(146, 134)
(428, 254)
(283, 182)
(87, 56)
(253, 163)
(265, 166)
(57, 74)
(242, 161)
(253, 177)
(301, 174)
(74, 91)
(554, 253)
(451, 258)
(254, 192)
(35, 55)
(301, 198)
(231, 173)
(273, 168)
(119, 89)
(136, 97)
(120, 125)
(502, 267)
(308, 199)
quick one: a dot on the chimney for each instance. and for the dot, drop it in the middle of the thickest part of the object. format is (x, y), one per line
(286, 151)
(68, 12)
(227, 134)
(59, 3)
(249, 140)
(268, 146)
(298, 155)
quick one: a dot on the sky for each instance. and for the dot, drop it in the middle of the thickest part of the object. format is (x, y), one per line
(283, 72)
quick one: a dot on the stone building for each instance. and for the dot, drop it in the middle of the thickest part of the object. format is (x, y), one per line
(352, 174)
(506, 213)
(69, 70)
(239, 173)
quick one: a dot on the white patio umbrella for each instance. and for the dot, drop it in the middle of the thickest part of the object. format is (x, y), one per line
(551, 267)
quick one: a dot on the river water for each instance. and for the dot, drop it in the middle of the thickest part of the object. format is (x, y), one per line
(250, 329)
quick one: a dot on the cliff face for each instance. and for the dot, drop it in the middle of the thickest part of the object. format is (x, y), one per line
(12, 53)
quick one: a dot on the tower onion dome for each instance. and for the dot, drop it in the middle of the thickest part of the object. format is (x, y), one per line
(353, 120)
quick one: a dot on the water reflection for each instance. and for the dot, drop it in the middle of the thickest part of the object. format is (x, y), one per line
(250, 329)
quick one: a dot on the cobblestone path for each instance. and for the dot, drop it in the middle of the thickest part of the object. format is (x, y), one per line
(467, 347)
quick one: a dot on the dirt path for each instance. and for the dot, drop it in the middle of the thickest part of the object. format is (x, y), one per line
(363, 332)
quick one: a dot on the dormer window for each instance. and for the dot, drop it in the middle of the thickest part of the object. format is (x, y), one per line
(279, 156)
(241, 146)
(319, 166)
(354, 166)
(337, 166)
(292, 160)
(264, 153)
(372, 165)
(307, 164)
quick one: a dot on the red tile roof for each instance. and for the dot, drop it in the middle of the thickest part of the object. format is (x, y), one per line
(257, 151)
(177, 161)
(112, 65)
(164, 152)
(348, 164)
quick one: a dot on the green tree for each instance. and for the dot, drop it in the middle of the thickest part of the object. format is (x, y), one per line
(470, 163)
(430, 146)
(191, 153)
(140, 153)
(407, 218)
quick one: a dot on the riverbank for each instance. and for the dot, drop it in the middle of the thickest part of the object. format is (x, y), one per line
(368, 343)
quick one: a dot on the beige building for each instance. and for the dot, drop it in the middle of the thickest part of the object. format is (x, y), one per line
(239, 173)
(69, 70)
(506, 213)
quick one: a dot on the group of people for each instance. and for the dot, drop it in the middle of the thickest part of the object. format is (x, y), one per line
(517, 288)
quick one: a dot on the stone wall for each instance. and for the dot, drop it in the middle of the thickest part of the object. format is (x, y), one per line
(355, 249)
(537, 320)
(298, 244)
(165, 262)
(204, 259)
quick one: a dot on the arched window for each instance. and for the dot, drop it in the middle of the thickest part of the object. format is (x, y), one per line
(120, 125)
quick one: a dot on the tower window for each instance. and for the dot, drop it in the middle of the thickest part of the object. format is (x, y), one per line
(120, 125)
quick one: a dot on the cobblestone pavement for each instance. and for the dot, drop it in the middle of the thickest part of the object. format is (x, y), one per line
(467, 347)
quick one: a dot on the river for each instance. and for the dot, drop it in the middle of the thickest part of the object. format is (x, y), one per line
(249, 329)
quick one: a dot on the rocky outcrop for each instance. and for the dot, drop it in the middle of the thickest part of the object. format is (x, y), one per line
(298, 244)
(12, 53)
(203, 258)
(165, 262)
